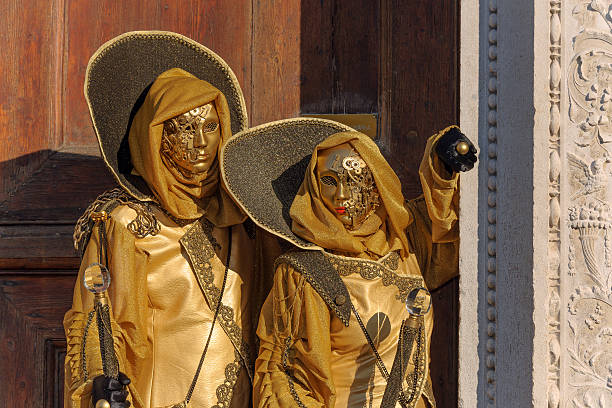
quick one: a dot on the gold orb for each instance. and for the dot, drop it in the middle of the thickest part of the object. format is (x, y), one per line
(102, 404)
(462, 148)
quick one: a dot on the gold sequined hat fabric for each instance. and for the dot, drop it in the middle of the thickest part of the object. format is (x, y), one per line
(263, 169)
(118, 78)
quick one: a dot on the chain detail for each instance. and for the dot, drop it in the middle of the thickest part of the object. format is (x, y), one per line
(416, 364)
(84, 346)
(285, 362)
(380, 363)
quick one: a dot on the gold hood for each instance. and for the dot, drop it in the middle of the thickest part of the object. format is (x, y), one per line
(173, 93)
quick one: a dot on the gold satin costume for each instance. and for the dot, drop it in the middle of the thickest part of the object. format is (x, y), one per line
(166, 285)
(312, 356)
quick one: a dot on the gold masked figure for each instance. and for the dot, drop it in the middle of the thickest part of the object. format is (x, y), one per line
(315, 356)
(174, 261)
(331, 323)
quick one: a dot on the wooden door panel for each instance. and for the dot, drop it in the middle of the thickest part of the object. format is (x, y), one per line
(423, 81)
(222, 26)
(32, 340)
(420, 96)
(276, 61)
(340, 48)
(37, 221)
(28, 107)
(87, 26)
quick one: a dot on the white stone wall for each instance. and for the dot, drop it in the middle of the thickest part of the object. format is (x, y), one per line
(536, 255)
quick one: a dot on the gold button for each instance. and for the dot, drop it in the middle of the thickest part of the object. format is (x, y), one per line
(340, 300)
(102, 404)
(99, 216)
(462, 148)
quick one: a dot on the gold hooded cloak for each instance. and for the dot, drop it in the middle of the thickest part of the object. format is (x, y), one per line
(380, 233)
(310, 354)
(173, 93)
(166, 284)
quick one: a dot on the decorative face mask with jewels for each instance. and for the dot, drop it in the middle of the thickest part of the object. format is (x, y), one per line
(347, 185)
(190, 141)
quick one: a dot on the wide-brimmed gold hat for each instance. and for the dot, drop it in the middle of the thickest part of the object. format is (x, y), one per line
(118, 78)
(263, 169)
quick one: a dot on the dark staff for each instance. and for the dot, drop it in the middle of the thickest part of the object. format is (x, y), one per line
(96, 279)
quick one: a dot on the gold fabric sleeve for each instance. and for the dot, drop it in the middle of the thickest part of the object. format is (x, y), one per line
(295, 346)
(434, 233)
(128, 319)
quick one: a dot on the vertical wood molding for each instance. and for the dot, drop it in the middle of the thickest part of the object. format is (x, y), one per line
(275, 61)
(57, 128)
(53, 382)
(27, 85)
(385, 88)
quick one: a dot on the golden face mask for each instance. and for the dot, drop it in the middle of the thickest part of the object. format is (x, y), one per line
(190, 141)
(347, 185)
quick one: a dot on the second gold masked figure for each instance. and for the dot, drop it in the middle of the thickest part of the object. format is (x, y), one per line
(178, 251)
(330, 328)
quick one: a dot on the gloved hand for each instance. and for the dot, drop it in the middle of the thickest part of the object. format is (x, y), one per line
(113, 391)
(456, 151)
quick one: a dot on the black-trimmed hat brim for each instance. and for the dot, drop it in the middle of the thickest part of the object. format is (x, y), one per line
(263, 169)
(118, 77)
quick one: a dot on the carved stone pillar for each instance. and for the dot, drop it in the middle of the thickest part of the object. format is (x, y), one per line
(536, 256)
(536, 284)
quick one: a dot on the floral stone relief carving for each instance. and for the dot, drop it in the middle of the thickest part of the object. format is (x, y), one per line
(588, 330)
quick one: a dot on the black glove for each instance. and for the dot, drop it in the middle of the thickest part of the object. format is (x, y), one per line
(453, 159)
(113, 391)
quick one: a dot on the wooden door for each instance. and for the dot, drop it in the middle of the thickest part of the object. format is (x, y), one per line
(398, 59)
(395, 58)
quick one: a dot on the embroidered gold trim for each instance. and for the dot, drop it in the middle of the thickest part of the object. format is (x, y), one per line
(144, 224)
(324, 282)
(391, 261)
(225, 391)
(200, 245)
(371, 270)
